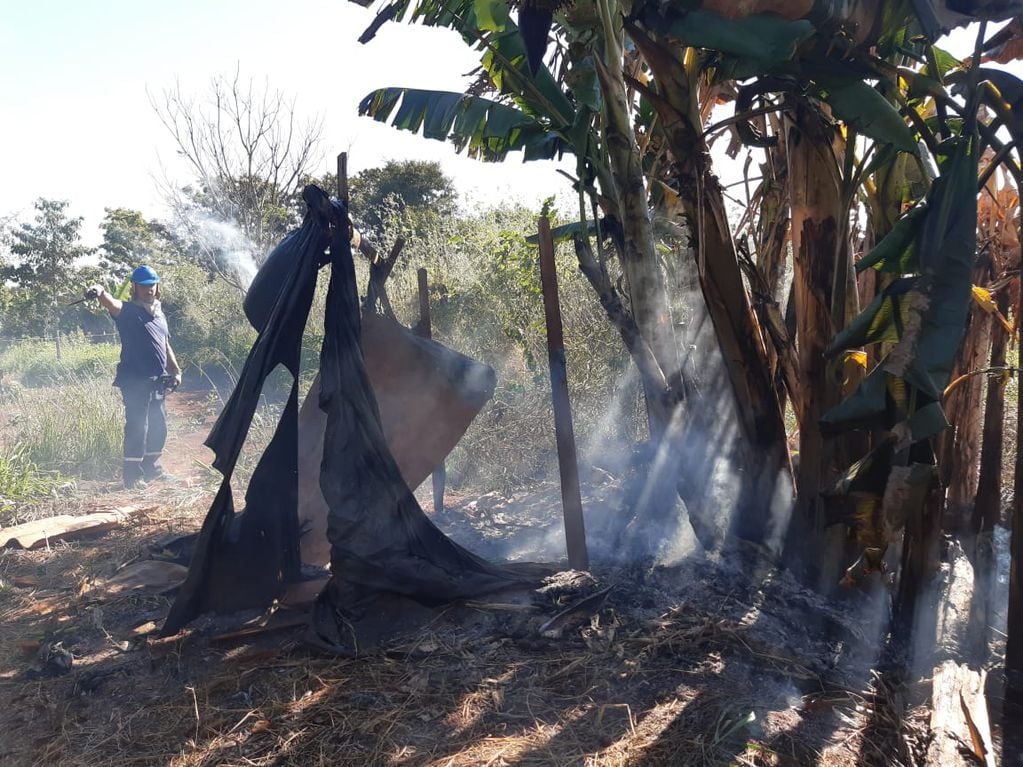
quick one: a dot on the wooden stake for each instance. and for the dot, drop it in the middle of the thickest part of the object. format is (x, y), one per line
(424, 329)
(571, 500)
(1014, 643)
(342, 177)
(424, 305)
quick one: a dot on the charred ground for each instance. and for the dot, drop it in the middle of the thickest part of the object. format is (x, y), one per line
(714, 660)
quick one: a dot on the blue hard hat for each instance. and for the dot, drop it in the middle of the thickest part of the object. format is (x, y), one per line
(144, 275)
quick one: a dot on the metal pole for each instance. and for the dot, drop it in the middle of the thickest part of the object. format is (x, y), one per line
(571, 500)
(424, 329)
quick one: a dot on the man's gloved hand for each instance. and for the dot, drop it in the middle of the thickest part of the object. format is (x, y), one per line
(177, 379)
(94, 291)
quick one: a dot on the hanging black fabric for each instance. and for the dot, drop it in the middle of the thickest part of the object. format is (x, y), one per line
(381, 540)
(244, 561)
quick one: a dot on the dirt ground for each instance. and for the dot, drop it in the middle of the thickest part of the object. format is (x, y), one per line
(695, 664)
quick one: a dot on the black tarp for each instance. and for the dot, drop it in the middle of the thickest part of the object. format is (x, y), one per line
(381, 540)
(243, 560)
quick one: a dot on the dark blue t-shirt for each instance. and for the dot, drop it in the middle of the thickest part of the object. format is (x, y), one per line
(143, 343)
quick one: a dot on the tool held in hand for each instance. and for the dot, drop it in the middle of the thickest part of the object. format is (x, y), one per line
(166, 384)
(90, 294)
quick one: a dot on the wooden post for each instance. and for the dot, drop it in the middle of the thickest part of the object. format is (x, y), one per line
(424, 329)
(342, 177)
(1014, 642)
(571, 500)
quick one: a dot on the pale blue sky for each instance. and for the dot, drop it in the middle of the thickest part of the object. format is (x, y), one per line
(77, 123)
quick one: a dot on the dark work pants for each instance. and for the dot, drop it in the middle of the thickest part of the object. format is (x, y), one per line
(145, 429)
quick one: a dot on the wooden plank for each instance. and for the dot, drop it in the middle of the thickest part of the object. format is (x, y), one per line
(148, 575)
(425, 329)
(342, 177)
(276, 623)
(961, 732)
(64, 527)
(568, 464)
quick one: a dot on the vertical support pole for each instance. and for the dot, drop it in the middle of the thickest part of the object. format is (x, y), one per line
(424, 329)
(1014, 642)
(342, 177)
(571, 500)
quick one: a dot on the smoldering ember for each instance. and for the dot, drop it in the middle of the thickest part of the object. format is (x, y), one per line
(717, 465)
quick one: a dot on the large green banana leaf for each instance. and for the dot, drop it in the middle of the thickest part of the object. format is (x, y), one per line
(897, 250)
(923, 316)
(488, 26)
(862, 107)
(485, 129)
(765, 38)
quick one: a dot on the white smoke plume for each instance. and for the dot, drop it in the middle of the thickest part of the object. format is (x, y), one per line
(233, 250)
(220, 243)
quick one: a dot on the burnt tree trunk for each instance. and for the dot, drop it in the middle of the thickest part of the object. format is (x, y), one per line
(765, 462)
(639, 260)
(987, 508)
(817, 208)
(960, 454)
(1014, 642)
(772, 237)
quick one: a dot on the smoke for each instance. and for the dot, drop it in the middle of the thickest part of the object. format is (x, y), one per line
(220, 243)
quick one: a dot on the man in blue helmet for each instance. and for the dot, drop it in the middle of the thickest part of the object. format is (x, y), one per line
(147, 365)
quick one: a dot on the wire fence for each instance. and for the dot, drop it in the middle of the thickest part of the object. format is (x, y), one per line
(71, 336)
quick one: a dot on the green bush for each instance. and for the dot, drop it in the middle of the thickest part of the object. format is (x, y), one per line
(208, 327)
(34, 361)
(21, 480)
(486, 302)
(74, 428)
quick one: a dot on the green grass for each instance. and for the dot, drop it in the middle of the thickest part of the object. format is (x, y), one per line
(34, 362)
(75, 428)
(21, 480)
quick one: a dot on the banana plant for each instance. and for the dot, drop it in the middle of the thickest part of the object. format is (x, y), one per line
(619, 86)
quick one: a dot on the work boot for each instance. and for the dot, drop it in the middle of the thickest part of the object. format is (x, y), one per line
(135, 484)
(152, 470)
(132, 474)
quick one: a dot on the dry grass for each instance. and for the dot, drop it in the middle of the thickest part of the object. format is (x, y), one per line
(682, 685)
(676, 691)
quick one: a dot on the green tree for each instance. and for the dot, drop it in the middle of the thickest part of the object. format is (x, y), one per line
(129, 240)
(400, 187)
(43, 266)
(628, 90)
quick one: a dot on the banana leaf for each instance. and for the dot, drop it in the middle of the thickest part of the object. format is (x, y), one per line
(767, 39)
(566, 232)
(896, 251)
(883, 320)
(869, 406)
(928, 320)
(485, 129)
(862, 107)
